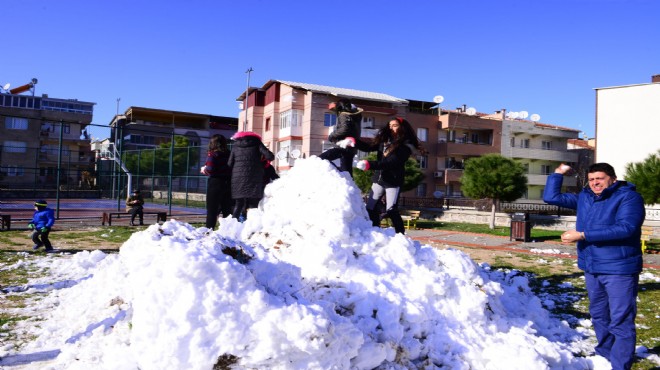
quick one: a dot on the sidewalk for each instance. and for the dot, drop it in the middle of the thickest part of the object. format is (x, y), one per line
(501, 243)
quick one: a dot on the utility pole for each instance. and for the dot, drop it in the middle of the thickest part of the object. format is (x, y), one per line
(247, 91)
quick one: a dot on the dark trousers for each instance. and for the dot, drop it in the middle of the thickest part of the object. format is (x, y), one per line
(41, 238)
(137, 211)
(218, 200)
(241, 206)
(613, 307)
(345, 157)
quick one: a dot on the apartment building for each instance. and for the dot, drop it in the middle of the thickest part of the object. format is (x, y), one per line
(627, 123)
(540, 148)
(40, 134)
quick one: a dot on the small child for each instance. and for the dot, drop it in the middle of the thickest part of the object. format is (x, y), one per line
(42, 221)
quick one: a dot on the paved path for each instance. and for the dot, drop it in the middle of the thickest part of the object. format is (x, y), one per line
(502, 243)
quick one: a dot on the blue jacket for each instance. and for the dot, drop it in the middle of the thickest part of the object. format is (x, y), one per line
(43, 218)
(611, 224)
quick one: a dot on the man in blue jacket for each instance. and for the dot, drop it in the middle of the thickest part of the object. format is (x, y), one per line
(610, 214)
(42, 221)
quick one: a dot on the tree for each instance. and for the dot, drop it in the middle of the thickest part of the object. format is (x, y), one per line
(646, 177)
(495, 177)
(157, 161)
(413, 175)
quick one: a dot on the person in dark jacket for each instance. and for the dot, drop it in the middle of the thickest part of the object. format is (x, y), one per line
(42, 221)
(134, 206)
(610, 214)
(345, 134)
(218, 187)
(247, 171)
(394, 143)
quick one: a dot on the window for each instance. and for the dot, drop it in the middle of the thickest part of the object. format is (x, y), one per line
(367, 122)
(545, 169)
(526, 167)
(267, 128)
(14, 170)
(15, 147)
(421, 190)
(524, 143)
(423, 161)
(423, 134)
(329, 119)
(15, 123)
(513, 142)
(291, 118)
(475, 138)
(442, 136)
(546, 145)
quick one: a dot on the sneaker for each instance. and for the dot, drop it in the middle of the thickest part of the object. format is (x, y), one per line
(36, 246)
(131, 223)
(51, 250)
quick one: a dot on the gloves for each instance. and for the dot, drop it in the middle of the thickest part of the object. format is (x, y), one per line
(44, 229)
(204, 170)
(31, 226)
(346, 143)
(363, 165)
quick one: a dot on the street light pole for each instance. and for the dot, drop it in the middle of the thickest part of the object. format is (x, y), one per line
(247, 92)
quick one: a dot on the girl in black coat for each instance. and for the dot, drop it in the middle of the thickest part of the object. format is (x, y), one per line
(348, 130)
(395, 143)
(218, 187)
(247, 171)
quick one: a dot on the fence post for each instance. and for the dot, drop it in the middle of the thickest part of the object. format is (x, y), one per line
(59, 171)
(169, 186)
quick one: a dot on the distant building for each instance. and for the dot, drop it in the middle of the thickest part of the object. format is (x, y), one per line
(30, 135)
(627, 123)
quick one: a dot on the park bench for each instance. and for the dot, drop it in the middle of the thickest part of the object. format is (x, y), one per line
(647, 231)
(408, 216)
(107, 216)
(5, 222)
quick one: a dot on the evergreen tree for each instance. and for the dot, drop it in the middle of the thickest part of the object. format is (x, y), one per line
(646, 177)
(494, 177)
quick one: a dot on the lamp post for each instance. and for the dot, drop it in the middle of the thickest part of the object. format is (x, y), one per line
(247, 92)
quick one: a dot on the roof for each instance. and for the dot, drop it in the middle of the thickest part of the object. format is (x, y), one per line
(338, 91)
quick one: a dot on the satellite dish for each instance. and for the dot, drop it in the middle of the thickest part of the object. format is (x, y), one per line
(438, 99)
(438, 194)
(471, 111)
(6, 87)
(240, 105)
(535, 117)
(295, 154)
(282, 154)
(523, 114)
(513, 115)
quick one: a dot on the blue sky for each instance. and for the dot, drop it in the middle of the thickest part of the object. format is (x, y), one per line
(541, 56)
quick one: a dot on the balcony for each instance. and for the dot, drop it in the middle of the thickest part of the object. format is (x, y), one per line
(540, 153)
(536, 179)
(291, 131)
(453, 175)
(471, 149)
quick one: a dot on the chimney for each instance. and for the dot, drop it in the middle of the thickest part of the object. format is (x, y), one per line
(655, 78)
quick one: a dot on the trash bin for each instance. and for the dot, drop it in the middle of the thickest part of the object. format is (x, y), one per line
(520, 227)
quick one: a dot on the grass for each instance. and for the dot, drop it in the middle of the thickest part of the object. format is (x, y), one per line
(536, 234)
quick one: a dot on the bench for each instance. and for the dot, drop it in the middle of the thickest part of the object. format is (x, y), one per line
(409, 218)
(647, 231)
(5, 222)
(107, 216)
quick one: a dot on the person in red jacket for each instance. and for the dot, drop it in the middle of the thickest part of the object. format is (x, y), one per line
(218, 186)
(42, 221)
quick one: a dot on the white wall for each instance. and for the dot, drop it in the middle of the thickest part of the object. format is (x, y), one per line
(627, 124)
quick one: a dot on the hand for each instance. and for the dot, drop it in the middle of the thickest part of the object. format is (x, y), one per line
(203, 170)
(563, 169)
(44, 229)
(363, 165)
(346, 143)
(572, 236)
(31, 226)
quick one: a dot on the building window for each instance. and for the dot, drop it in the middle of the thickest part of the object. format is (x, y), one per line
(475, 138)
(423, 161)
(524, 143)
(291, 118)
(15, 147)
(421, 190)
(423, 134)
(513, 142)
(546, 145)
(526, 167)
(267, 128)
(16, 123)
(329, 119)
(13, 170)
(368, 122)
(545, 169)
(442, 136)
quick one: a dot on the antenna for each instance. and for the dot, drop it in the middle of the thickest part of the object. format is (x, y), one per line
(471, 111)
(438, 99)
(295, 154)
(282, 155)
(6, 86)
(535, 117)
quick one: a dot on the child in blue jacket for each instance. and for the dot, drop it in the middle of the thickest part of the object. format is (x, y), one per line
(42, 221)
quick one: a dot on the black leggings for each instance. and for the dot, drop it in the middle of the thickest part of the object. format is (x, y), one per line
(241, 206)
